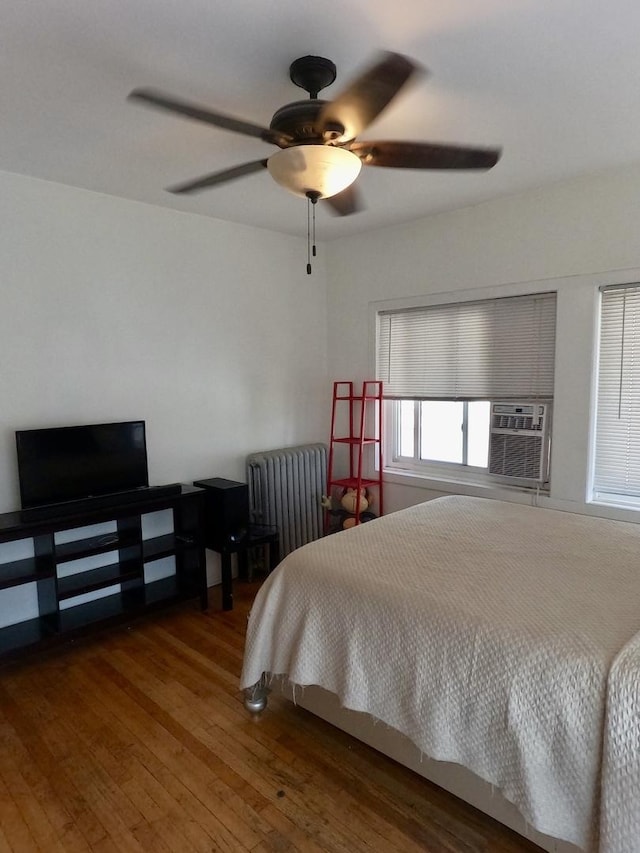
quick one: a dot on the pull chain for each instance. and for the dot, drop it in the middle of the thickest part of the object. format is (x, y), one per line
(312, 200)
(309, 236)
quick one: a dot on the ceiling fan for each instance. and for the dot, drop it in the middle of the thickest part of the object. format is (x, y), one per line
(320, 156)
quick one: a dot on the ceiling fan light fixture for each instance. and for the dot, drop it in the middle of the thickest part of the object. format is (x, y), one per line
(323, 170)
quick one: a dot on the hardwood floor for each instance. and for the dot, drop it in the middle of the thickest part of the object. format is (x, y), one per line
(137, 740)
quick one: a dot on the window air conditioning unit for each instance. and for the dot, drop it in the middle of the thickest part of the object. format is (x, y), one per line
(519, 442)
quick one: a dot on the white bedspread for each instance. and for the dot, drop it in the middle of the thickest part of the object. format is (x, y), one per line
(485, 632)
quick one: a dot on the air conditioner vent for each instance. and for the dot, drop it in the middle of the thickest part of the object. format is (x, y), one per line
(519, 441)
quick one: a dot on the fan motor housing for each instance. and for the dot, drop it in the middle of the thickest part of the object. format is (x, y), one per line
(298, 119)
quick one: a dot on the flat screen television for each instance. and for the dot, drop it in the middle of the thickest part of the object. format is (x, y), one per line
(61, 464)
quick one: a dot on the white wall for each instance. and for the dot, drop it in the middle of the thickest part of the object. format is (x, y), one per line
(214, 334)
(582, 233)
(112, 310)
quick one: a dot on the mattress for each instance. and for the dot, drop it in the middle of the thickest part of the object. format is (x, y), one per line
(498, 636)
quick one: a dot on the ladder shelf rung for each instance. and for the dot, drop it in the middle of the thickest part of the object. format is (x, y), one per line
(355, 440)
(353, 482)
(360, 398)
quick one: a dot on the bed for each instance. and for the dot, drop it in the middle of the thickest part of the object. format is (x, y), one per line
(500, 641)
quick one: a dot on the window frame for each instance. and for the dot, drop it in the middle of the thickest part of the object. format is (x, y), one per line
(603, 496)
(442, 475)
(397, 463)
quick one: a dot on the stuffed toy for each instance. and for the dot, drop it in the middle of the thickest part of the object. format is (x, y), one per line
(344, 516)
(352, 503)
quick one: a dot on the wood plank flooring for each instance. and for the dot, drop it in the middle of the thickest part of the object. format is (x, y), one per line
(137, 740)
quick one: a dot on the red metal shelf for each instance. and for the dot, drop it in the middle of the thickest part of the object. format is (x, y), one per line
(363, 413)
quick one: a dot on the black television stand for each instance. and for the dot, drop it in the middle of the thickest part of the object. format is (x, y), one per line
(117, 499)
(146, 561)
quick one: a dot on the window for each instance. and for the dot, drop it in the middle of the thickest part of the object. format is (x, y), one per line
(616, 470)
(443, 365)
(451, 431)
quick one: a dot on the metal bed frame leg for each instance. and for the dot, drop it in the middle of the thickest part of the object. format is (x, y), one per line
(255, 698)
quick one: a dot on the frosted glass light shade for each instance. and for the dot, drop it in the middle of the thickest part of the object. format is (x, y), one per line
(322, 169)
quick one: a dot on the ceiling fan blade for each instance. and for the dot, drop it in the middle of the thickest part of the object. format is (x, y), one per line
(361, 102)
(346, 202)
(174, 105)
(424, 155)
(218, 177)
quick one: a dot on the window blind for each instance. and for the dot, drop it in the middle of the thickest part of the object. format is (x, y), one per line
(490, 349)
(617, 445)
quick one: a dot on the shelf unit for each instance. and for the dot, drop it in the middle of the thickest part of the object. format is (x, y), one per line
(356, 424)
(92, 566)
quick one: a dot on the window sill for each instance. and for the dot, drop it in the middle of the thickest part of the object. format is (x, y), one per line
(513, 494)
(621, 510)
(452, 485)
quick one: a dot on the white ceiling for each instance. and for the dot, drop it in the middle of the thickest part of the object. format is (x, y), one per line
(556, 83)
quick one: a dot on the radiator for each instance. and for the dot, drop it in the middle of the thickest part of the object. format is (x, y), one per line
(285, 490)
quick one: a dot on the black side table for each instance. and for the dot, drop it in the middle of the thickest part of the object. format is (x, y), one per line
(257, 534)
(238, 539)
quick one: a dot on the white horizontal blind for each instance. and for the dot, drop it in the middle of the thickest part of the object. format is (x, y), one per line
(491, 349)
(617, 446)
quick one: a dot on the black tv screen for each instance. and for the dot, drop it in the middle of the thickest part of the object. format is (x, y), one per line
(69, 463)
